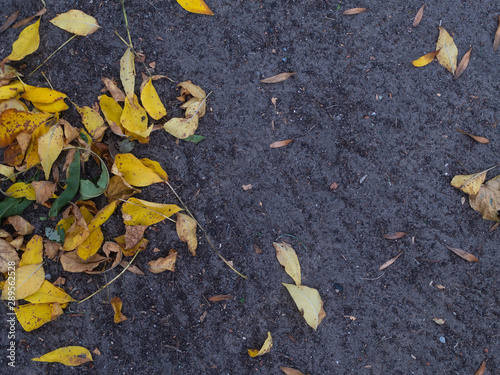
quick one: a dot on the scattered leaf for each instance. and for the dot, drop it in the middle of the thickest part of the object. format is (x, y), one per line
(487, 200)
(196, 6)
(308, 302)
(151, 101)
(28, 280)
(425, 59)
(33, 316)
(93, 122)
(8, 172)
(69, 356)
(288, 258)
(463, 254)
(134, 171)
(127, 72)
(113, 89)
(464, 63)
(140, 212)
(71, 262)
(49, 147)
(33, 255)
(475, 137)
(279, 144)
(195, 138)
(9, 260)
(25, 21)
(72, 185)
(277, 78)
(163, 264)
(247, 187)
(471, 183)
(266, 347)
(290, 371)
(116, 303)
(447, 56)
(76, 22)
(48, 293)
(181, 128)
(394, 235)
(42, 95)
(9, 21)
(418, 16)
(496, 42)
(134, 118)
(481, 369)
(27, 42)
(21, 190)
(21, 226)
(354, 11)
(221, 297)
(186, 230)
(390, 261)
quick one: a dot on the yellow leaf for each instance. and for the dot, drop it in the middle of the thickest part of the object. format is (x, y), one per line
(49, 147)
(27, 42)
(32, 158)
(12, 90)
(69, 356)
(288, 258)
(12, 103)
(266, 347)
(151, 101)
(127, 72)
(134, 118)
(57, 106)
(33, 316)
(308, 302)
(487, 200)
(196, 6)
(33, 253)
(187, 87)
(78, 231)
(139, 212)
(28, 279)
(471, 183)
(143, 243)
(163, 264)
(76, 22)
(43, 95)
(8, 172)
(447, 56)
(103, 215)
(49, 293)
(21, 190)
(92, 121)
(155, 167)
(112, 112)
(425, 59)
(91, 244)
(14, 122)
(116, 303)
(181, 127)
(186, 230)
(134, 171)
(118, 188)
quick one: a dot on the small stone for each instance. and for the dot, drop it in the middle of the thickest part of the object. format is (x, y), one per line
(442, 339)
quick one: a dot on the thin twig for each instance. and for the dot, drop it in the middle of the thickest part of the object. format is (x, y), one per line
(53, 53)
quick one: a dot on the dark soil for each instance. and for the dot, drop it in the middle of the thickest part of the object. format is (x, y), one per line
(361, 116)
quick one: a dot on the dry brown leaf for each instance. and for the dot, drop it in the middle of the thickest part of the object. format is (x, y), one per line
(221, 297)
(481, 369)
(8, 257)
(60, 281)
(464, 63)
(487, 200)
(419, 15)
(9, 21)
(279, 144)
(44, 190)
(96, 351)
(277, 78)
(440, 287)
(28, 20)
(290, 371)
(438, 321)
(474, 137)
(257, 249)
(51, 249)
(21, 225)
(496, 42)
(113, 89)
(163, 264)
(133, 269)
(390, 261)
(133, 235)
(394, 235)
(463, 254)
(352, 11)
(71, 262)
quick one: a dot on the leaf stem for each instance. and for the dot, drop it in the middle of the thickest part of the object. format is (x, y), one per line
(53, 53)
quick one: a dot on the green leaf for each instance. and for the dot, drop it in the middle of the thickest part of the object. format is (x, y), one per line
(195, 138)
(13, 206)
(126, 146)
(54, 235)
(72, 184)
(89, 190)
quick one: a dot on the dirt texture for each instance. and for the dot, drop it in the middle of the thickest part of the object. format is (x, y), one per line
(361, 118)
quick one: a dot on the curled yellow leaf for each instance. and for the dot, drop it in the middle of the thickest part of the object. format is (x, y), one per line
(266, 347)
(425, 59)
(288, 258)
(69, 356)
(186, 230)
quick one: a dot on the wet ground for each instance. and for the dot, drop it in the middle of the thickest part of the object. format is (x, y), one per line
(374, 151)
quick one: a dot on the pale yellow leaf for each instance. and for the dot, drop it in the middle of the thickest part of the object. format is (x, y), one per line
(164, 264)
(266, 347)
(76, 22)
(186, 230)
(8, 172)
(49, 147)
(12, 103)
(308, 302)
(28, 279)
(389, 262)
(33, 316)
(188, 87)
(139, 212)
(288, 258)
(69, 356)
(49, 293)
(181, 127)
(27, 42)
(471, 183)
(487, 200)
(196, 6)
(113, 89)
(127, 72)
(448, 53)
(151, 101)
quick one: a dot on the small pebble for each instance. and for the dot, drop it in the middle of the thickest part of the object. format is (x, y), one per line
(442, 339)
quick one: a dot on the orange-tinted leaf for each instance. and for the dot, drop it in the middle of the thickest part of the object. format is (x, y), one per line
(354, 11)
(390, 261)
(474, 137)
(481, 369)
(394, 235)
(277, 78)
(425, 59)
(116, 303)
(266, 347)
(464, 63)
(14, 122)
(279, 144)
(418, 16)
(463, 254)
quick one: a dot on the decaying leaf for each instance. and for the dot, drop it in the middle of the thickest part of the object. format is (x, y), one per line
(196, 6)
(425, 59)
(471, 183)
(279, 144)
(266, 347)
(113, 89)
(69, 356)
(14, 122)
(163, 264)
(221, 297)
(28, 279)
(390, 261)
(92, 121)
(487, 200)
(71, 262)
(474, 137)
(290, 371)
(33, 316)
(464, 63)
(8, 172)
(76, 22)
(116, 303)
(438, 321)
(277, 78)
(9, 21)
(418, 16)
(463, 254)
(394, 235)
(481, 370)
(27, 42)
(288, 258)
(8, 257)
(496, 42)
(21, 226)
(44, 190)
(133, 235)
(27, 20)
(308, 302)
(354, 11)
(447, 56)
(186, 230)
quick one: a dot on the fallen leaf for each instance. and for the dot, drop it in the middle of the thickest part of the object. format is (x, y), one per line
(418, 16)
(93, 122)
(181, 128)
(133, 269)
(49, 147)
(196, 6)
(464, 63)
(288, 258)
(163, 264)
(481, 369)
(9, 260)
(133, 235)
(394, 235)
(91, 244)
(266, 347)
(72, 185)
(28, 279)
(9, 21)
(8, 172)
(96, 351)
(463, 254)
(134, 119)
(140, 212)
(113, 89)
(78, 231)
(42, 95)
(71, 262)
(21, 190)
(440, 287)
(308, 302)
(118, 188)
(221, 297)
(475, 137)
(281, 143)
(32, 316)
(48, 293)
(151, 101)
(69, 356)
(389, 262)
(134, 171)
(496, 42)
(44, 190)
(21, 225)
(277, 78)
(438, 321)
(127, 72)
(14, 122)
(257, 249)
(487, 200)
(425, 59)
(33, 255)
(186, 230)
(471, 183)
(354, 11)
(76, 22)
(25, 21)
(60, 281)
(27, 43)
(290, 371)
(116, 304)
(51, 249)
(447, 56)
